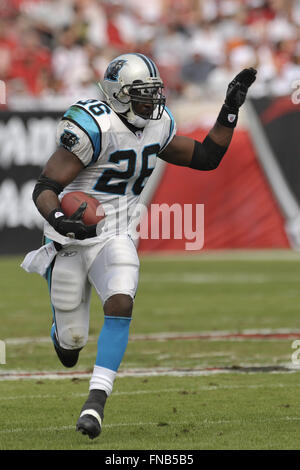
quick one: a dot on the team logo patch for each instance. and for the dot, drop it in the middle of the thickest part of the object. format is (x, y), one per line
(112, 72)
(68, 139)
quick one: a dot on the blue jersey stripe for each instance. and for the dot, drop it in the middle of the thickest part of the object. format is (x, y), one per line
(88, 124)
(172, 124)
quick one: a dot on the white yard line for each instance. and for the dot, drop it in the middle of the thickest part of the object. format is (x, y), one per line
(199, 423)
(262, 333)
(10, 375)
(203, 388)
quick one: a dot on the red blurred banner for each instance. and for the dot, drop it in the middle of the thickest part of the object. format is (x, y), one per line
(240, 210)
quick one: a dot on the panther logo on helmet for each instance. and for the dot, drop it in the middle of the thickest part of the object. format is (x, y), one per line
(112, 71)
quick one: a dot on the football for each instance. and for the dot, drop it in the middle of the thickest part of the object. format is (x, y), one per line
(93, 213)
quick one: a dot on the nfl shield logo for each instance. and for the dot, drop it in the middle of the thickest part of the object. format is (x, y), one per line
(231, 117)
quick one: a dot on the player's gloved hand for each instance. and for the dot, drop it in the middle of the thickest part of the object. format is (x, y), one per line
(72, 226)
(238, 88)
(235, 97)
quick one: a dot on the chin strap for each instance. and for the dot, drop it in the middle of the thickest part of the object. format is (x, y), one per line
(134, 119)
(129, 115)
(137, 121)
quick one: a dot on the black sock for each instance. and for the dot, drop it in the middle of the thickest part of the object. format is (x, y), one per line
(96, 401)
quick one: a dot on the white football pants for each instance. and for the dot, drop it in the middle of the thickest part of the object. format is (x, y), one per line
(112, 269)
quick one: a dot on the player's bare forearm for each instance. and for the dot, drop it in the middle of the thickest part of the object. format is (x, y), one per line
(221, 135)
(46, 202)
(61, 168)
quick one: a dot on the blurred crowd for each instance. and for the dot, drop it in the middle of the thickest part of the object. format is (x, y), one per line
(52, 52)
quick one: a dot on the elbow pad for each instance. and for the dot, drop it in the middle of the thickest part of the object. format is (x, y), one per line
(44, 183)
(207, 155)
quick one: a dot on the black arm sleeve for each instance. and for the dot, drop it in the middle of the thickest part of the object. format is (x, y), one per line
(44, 183)
(208, 155)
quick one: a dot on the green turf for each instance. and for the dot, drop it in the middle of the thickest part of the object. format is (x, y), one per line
(193, 294)
(221, 412)
(168, 354)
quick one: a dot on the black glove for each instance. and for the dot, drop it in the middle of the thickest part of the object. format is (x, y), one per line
(72, 226)
(235, 97)
(238, 88)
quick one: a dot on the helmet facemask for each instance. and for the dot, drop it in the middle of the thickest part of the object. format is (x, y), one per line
(146, 100)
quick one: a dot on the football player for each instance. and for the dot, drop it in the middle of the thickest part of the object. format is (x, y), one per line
(108, 149)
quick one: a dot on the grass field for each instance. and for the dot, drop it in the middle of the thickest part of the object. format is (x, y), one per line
(186, 382)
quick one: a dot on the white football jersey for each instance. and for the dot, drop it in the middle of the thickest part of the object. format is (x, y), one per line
(117, 161)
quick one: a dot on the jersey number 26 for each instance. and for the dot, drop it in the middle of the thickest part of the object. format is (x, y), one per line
(105, 182)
